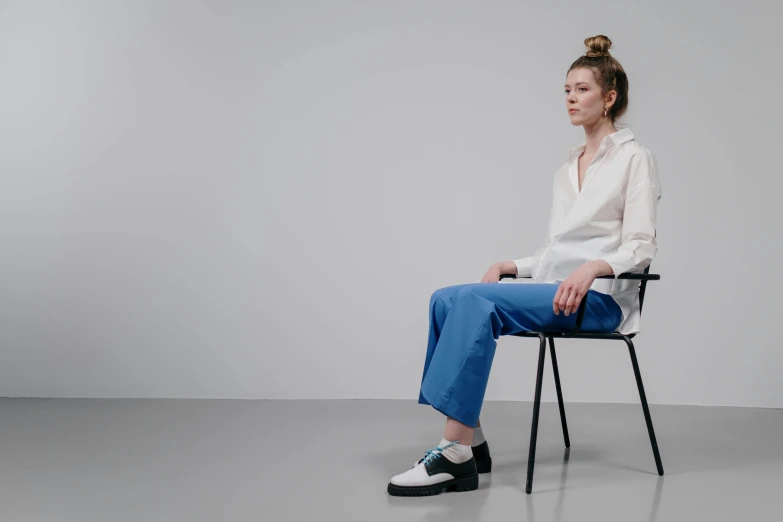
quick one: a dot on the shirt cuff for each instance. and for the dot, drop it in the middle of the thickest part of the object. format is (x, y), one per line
(621, 262)
(524, 266)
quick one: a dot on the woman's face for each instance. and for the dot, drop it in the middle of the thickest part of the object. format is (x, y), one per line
(584, 102)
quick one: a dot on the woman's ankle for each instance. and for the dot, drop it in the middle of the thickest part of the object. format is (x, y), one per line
(455, 430)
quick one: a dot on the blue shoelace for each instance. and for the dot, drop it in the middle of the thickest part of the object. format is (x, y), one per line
(436, 452)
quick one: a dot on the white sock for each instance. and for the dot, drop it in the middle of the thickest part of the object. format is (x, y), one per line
(456, 453)
(478, 437)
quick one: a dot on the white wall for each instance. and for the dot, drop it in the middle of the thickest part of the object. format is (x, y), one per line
(256, 200)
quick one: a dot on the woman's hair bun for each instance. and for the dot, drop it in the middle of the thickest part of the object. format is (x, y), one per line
(598, 45)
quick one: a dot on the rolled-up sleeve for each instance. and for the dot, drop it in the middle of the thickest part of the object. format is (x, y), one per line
(638, 245)
(524, 266)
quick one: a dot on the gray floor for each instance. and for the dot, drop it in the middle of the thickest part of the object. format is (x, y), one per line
(199, 460)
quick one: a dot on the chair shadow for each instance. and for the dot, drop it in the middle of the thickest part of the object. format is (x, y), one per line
(562, 488)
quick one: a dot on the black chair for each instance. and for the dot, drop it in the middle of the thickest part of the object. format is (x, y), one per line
(577, 334)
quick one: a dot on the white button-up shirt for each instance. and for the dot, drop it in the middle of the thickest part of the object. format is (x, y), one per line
(613, 218)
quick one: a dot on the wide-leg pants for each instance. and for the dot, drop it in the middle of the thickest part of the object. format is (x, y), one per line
(465, 322)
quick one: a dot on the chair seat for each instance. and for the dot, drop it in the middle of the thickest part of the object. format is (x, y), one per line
(580, 335)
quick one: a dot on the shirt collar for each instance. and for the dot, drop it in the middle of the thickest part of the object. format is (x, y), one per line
(617, 138)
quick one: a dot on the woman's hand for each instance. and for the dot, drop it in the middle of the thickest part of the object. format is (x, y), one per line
(492, 275)
(497, 270)
(571, 291)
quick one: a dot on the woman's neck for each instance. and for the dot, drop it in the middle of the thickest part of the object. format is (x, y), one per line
(596, 133)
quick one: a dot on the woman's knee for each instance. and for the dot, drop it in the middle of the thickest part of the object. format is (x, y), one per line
(465, 291)
(445, 294)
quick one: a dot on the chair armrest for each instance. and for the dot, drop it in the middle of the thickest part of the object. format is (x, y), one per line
(512, 276)
(639, 277)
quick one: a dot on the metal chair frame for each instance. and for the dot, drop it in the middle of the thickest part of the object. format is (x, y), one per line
(578, 334)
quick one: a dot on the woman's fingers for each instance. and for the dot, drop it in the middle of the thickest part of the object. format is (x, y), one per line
(577, 301)
(567, 299)
(579, 295)
(555, 304)
(563, 301)
(569, 306)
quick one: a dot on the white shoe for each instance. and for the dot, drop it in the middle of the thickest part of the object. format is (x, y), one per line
(433, 475)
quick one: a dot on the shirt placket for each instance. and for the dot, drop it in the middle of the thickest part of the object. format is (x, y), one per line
(597, 160)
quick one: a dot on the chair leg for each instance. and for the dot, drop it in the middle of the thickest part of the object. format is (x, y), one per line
(536, 408)
(566, 439)
(646, 408)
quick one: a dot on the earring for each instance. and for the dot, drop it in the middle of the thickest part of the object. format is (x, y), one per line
(605, 112)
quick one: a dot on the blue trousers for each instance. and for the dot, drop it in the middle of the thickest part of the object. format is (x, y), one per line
(465, 322)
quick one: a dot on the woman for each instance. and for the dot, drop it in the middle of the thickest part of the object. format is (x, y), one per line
(602, 222)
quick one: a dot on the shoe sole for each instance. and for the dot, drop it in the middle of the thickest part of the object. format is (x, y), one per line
(469, 483)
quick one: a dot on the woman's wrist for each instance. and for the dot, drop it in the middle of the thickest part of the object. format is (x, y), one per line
(601, 268)
(507, 267)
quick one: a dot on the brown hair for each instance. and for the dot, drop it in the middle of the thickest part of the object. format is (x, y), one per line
(608, 72)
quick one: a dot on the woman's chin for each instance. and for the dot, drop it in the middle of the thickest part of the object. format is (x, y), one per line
(576, 120)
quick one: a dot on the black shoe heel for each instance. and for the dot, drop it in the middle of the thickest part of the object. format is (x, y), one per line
(465, 484)
(485, 466)
(483, 460)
